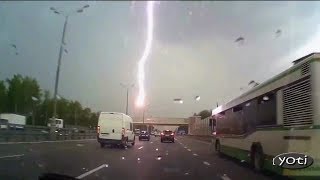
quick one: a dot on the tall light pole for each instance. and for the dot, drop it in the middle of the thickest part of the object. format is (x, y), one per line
(34, 99)
(144, 111)
(66, 16)
(127, 87)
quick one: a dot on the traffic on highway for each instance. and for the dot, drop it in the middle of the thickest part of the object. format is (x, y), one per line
(148, 90)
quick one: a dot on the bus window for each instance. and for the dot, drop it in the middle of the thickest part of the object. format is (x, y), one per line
(237, 108)
(267, 109)
(222, 113)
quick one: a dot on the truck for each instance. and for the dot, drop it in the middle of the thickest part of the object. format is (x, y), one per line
(12, 121)
(58, 123)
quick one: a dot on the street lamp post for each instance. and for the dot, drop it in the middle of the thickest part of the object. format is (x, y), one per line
(144, 109)
(34, 99)
(127, 87)
(66, 16)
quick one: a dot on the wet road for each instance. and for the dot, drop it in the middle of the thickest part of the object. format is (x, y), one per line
(185, 159)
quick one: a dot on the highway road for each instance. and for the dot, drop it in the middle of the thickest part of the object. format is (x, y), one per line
(185, 159)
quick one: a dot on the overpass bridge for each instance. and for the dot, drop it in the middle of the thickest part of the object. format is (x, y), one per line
(161, 123)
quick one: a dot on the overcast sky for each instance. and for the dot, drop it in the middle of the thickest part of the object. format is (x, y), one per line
(193, 53)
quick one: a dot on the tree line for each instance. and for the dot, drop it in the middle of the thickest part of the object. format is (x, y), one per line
(23, 95)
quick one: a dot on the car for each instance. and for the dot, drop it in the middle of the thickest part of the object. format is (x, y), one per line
(157, 134)
(115, 129)
(144, 135)
(182, 132)
(137, 132)
(167, 135)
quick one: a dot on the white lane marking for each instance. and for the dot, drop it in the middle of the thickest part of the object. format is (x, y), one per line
(80, 145)
(140, 147)
(11, 156)
(39, 142)
(189, 149)
(206, 163)
(195, 154)
(92, 171)
(225, 177)
(151, 142)
(185, 147)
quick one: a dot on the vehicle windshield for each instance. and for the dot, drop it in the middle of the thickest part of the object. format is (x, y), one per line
(3, 121)
(160, 89)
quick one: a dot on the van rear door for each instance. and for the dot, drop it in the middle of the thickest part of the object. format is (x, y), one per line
(110, 126)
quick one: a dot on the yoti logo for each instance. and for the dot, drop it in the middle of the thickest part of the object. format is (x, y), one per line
(292, 161)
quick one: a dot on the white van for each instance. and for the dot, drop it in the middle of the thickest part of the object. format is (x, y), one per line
(115, 128)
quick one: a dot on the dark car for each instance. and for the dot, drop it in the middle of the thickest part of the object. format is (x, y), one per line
(167, 135)
(144, 135)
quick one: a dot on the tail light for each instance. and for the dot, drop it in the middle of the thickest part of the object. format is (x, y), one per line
(98, 129)
(172, 134)
(161, 134)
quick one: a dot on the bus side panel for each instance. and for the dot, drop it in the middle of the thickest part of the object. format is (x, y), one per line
(279, 106)
(315, 81)
(273, 142)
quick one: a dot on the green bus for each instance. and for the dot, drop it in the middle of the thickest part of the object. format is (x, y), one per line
(278, 116)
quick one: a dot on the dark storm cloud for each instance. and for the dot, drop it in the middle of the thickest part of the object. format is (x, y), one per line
(178, 22)
(193, 53)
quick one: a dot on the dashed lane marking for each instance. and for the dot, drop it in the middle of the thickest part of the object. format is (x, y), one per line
(92, 171)
(206, 163)
(225, 177)
(11, 156)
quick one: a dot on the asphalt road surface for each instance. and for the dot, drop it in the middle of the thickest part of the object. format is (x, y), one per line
(185, 159)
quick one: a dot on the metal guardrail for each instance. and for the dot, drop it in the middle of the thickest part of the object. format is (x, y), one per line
(41, 133)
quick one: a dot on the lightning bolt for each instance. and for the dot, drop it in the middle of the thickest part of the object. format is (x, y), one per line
(146, 52)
